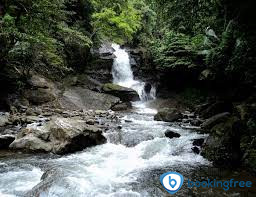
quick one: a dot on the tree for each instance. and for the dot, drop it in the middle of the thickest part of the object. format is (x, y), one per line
(117, 20)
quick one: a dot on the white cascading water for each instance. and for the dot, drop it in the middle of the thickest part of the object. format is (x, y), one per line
(128, 165)
(123, 75)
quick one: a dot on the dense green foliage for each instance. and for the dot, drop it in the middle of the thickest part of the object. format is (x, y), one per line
(56, 36)
(117, 20)
(214, 37)
(40, 36)
(219, 32)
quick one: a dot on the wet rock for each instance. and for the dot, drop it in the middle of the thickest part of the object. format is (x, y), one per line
(147, 87)
(125, 94)
(60, 136)
(209, 123)
(198, 142)
(6, 140)
(168, 115)
(171, 134)
(195, 150)
(48, 179)
(216, 108)
(122, 106)
(106, 50)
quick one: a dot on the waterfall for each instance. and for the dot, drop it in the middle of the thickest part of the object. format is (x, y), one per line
(123, 75)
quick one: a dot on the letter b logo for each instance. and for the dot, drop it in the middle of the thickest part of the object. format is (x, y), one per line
(172, 181)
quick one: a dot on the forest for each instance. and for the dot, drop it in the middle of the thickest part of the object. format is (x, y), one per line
(57, 60)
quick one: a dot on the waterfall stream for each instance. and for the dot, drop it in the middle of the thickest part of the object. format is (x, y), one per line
(123, 75)
(128, 165)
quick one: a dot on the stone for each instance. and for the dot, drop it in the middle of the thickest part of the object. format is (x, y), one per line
(39, 82)
(125, 94)
(171, 134)
(59, 136)
(222, 147)
(168, 115)
(6, 140)
(122, 106)
(77, 98)
(195, 149)
(211, 122)
(196, 122)
(4, 119)
(198, 142)
(39, 96)
(31, 119)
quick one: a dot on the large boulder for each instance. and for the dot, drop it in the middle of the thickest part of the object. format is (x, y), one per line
(122, 106)
(40, 95)
(168, 115)
(223, 145)
(41, 90)
(211, 122)
(125, 94)
(60, 136)
(75, 98)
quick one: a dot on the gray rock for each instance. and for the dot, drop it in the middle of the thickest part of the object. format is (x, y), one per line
(77, 98)
(125, 94)
(211, 122)
(122, 106)
(60, 136)
(168, 115)
(40, 95)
